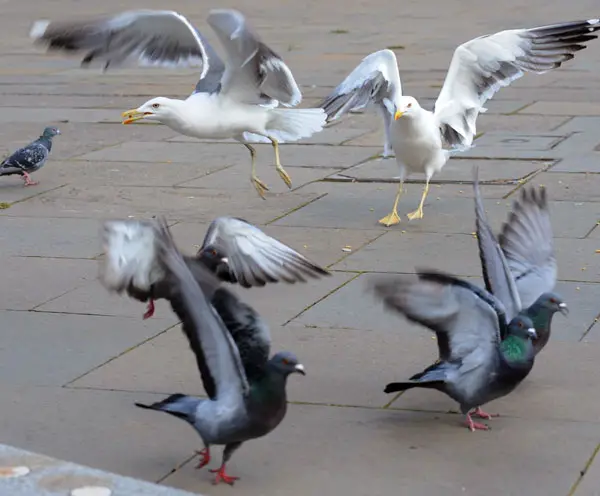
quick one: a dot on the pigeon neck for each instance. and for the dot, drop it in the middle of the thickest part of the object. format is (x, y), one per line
(270, 388)
(46, 141)
(541, 316)
(516, 349)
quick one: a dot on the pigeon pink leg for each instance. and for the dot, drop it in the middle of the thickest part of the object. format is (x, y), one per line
(473, 426)
(28, 181)
(223, 477)
(149, 310)
(204, 457)
(484, 415)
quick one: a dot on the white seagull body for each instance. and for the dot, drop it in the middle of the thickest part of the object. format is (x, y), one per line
(236, 99)
(423, 140)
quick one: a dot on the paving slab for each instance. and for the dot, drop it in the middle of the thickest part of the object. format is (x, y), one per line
(394, 448)
(52, 477)
(569, 187)
(579, 164)
(61, 344)
(30, 282)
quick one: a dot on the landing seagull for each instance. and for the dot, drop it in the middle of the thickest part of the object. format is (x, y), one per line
(423, 140)
(236, 99)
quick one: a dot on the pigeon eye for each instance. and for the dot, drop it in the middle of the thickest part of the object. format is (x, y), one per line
(520, 324)
(155, 105)
(285, 361)
(213, 253)
(553, 300)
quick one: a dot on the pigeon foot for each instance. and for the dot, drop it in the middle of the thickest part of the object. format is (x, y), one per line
(149, 310)
(204, 457)
(484, 415)
(223, 477)
(28, 181)
(475, 426)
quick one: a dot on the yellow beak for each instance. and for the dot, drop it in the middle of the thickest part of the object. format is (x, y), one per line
(397, 115)
(133, 115)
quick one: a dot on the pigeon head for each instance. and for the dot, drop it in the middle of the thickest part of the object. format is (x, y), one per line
(50, 132)
(407, 107)
(286, 363)
(160, 109)
(522, 327)
(214, 259)
(552, 302)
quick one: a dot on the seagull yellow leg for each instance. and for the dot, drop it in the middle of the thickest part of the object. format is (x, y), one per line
(282, 173)
(258, 184)
(418, 213)
(393, 218)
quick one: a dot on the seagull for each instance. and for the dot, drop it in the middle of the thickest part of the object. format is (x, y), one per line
(423, 140)
(30, 158)
(233, 249)
(247, 393)
(236, 99)
(520, 269)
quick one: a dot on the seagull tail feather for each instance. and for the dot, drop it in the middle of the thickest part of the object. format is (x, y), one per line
(295, 124)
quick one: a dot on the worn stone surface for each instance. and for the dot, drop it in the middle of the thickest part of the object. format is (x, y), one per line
(74, 358)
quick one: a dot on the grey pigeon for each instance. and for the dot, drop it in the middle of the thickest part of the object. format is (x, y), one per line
(241, 409)
(475, 366)
(520, 270)
(30, 158)
(237, 252)
(130, 264)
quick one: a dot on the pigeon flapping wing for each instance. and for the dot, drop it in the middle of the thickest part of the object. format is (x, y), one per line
(205, 330)
(527, 242)
(254, 258)
(497, 275)
(468, 317)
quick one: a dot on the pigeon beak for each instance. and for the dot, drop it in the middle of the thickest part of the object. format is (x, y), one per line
(133, 115)
(57, 132)
(531, 333)
(397, 115)
(299, 369)
(563, 308)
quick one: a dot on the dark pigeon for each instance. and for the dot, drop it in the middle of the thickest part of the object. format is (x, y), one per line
(241, 409)
(475, 366)
(30, 158)
(240, 253)
(520, 270)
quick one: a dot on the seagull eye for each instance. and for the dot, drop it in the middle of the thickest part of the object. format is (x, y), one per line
(155, 105)
(409, 105)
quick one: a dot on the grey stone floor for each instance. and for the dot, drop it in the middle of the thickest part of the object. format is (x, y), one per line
(73, 359)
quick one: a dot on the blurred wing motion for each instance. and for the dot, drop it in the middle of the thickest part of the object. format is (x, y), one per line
(254, 258)
(527, 242)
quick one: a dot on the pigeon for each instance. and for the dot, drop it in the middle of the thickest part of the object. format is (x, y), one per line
(30, 158)
(236, 251)
(241, 409)
(424, 140)
(520, 270)
(475, 366)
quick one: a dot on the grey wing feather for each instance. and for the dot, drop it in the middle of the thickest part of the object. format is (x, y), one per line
(146, 37)
(218, 348)
(527, 242)
(482, 66)
(252, 68)
(374, 81)
(447, 306)
(255, 258)
(211, 82)
(496, 272)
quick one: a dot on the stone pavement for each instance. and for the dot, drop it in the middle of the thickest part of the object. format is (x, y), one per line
(73, 359)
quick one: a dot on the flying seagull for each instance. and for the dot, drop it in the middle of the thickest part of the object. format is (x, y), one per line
(236, 99)
(520, 270)
(233, 249)
(240, 406)
(30, 158)
(475, 365)
(423, 140)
